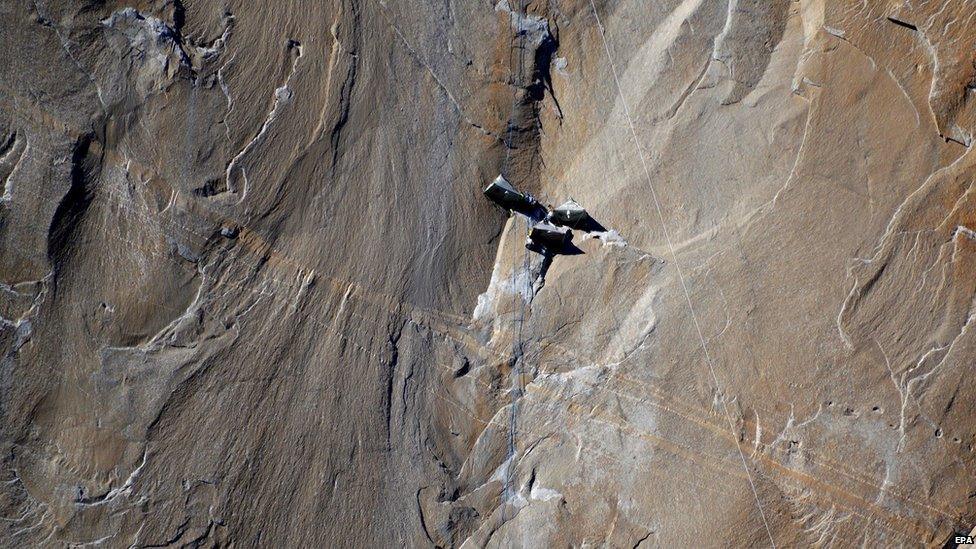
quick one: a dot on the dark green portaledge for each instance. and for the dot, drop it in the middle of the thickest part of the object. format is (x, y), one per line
(501, 192)
(570, 214)
(549, 236)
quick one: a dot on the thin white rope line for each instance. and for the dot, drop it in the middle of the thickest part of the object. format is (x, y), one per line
(677, 266)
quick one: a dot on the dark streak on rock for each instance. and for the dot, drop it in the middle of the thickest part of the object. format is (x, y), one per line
(643, 539)
(905, 24)
(420, 515)
(70, 211)
(388, 374)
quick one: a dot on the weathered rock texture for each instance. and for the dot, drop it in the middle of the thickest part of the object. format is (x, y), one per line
(252, 295)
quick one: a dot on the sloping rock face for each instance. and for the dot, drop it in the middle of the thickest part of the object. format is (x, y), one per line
(251, 295)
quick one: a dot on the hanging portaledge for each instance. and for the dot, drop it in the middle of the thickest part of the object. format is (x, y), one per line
(545, 237)
(502, 192)
(570, 214)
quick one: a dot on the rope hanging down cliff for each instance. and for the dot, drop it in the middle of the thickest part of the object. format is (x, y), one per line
(517, 78)
(677, 266)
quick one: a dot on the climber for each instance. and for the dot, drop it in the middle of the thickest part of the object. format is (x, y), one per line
(570, 214)
(502, 192)
(546, 238)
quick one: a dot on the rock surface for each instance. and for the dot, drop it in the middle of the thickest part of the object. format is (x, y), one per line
(251, 295)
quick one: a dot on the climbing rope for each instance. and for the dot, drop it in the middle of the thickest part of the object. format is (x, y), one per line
(677, 266)
(517, 78)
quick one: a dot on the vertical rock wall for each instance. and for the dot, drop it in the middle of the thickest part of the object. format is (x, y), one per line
(251, 295)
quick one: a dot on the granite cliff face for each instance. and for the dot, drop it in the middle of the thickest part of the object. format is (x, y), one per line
(251, 294)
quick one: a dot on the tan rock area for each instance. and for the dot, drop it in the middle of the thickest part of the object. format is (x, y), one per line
(252, 295)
